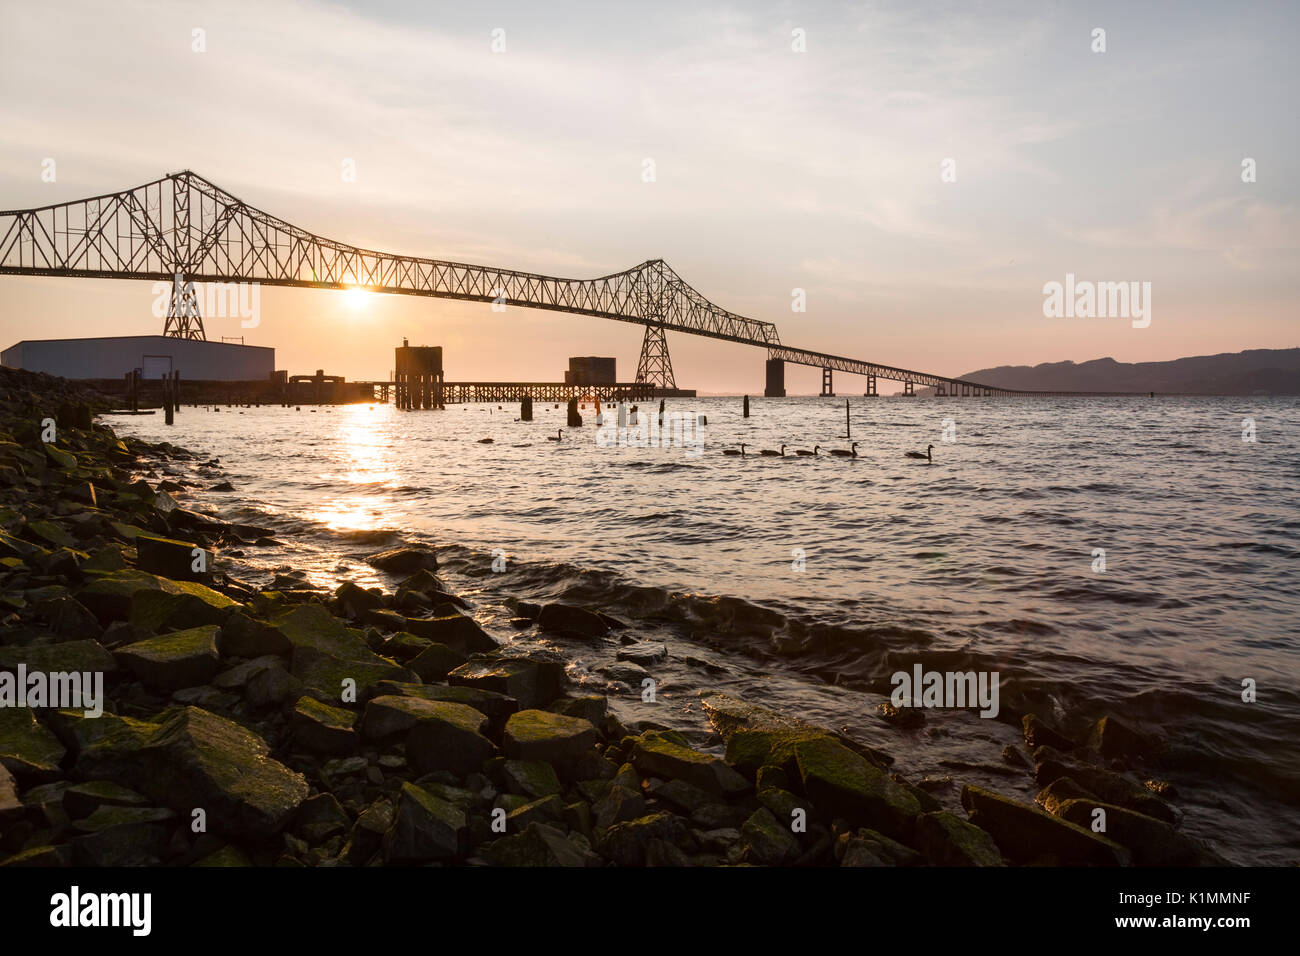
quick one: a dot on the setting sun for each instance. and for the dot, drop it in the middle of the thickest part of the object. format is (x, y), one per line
(357, 298)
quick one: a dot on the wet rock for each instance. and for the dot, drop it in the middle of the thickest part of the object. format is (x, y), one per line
(552, 738)
(404, 560)
(905, 717)
(1039, 734)
(945, 839)
(436, 661)
(168, 663)
(354, 600)
(592, 708)
(424, 828)
(571, 620)
(532, 682)
(1152, 842)
(194, 759)
(454, 630)
(531, 778)
(656, 754)
(177, 560)
(643, 653)
(538, 845)
(842, 783)
(624, 673)
(768, 842)
(321, 728)
(871, 845)
(1112, 787)
(69, 618)
(1060, 790)
(1025, 834)
(1111, 737)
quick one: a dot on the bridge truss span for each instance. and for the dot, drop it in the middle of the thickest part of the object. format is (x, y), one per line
(183, 229)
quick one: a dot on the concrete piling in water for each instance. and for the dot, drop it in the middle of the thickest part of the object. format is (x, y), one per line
(848, 428)
(176, 392)
(526, 409)
(575, 419)
(746, 414)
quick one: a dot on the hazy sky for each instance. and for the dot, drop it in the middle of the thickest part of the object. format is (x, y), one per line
(775, 169)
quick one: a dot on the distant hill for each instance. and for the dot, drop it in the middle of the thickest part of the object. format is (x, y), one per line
(1254, 372)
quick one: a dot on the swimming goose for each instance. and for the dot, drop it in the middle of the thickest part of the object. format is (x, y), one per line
(841, 453)
(926, 457)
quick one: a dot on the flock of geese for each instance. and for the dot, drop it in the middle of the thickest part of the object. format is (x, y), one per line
(850, 452)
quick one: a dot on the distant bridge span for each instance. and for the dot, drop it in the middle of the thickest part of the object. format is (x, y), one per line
(184, 229)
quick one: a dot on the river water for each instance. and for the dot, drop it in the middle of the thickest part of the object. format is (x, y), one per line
(1127, 556)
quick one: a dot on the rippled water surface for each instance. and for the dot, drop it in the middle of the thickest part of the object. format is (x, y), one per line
(984, 559)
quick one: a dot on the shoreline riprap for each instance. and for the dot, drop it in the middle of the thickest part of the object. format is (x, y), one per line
(245, 726)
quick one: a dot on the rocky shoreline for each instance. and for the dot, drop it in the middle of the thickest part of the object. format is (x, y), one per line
(294, 727)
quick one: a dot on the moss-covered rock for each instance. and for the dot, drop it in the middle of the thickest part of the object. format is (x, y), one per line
(1152, 842)
(530, 777)
(538, 845)
(657, 754)
(945, 839)
(1026, 834)
(842, 783)
(424, 828)
(182, 659)
(193, 759)
(321, 728)
(768, 841)
(27, 748)
(552, 738)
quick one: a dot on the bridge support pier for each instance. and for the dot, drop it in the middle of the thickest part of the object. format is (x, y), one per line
(183, 319)
(871, 388)
(940, 390)
(775, 387)
(655, 367)
(828, 389)
(909, 391)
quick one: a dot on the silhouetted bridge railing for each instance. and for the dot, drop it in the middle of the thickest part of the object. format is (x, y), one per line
(183, 229)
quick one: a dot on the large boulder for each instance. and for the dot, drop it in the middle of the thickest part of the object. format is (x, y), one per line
(657, 754)
(173, 661)
(768, 841)
(1152, 842)
(534, 682)
(404, 560)
(945, 839)
(321, 728)
(447, 737)
(192, 759)
(844, 783)
(456, 630)
(551, 738)
(572, 620)
(178, 560)
(1026, 834)
(424, 828)
(27, 747)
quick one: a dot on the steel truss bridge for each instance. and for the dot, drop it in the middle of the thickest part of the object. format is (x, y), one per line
(183, 230)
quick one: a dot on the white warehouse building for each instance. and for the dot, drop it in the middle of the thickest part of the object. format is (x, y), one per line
(154, 355)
